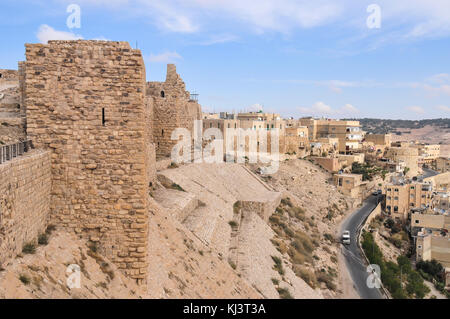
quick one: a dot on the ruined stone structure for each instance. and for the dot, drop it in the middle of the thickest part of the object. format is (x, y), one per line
(25, 184)
(85, 102)
(172, 107)
(12, 115)
(8, 75)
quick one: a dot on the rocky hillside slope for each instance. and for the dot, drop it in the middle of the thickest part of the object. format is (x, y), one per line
(306, 223)
(216, 231)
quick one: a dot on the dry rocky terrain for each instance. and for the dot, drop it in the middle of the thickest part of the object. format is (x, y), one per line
(216, 231)
(312, 209)
(42, 274)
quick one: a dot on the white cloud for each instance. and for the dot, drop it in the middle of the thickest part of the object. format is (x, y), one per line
(349, 109)
(165, 57)
(403, 20)
(322, 109)
(335, 85)
(46, 33)
(442, 89)
(443, 108)
(218, 39)
(416, 109)
(255, 108)
(318, 109)
(435, 85)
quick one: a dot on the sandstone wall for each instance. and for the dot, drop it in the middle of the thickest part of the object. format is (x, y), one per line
(25, 184)
(8, 75)
(85, 101)
(331, 164)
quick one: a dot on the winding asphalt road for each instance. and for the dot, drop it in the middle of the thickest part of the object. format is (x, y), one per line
(354, 259)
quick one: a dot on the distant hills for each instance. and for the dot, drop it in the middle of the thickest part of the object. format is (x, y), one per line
(382, 126)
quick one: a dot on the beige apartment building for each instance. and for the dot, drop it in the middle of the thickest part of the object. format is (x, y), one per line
(430, 229)
(401, 198)
(379, 141)
(331, 164)
(430, 220)
(433, 246)
(324, 145)
(292, 139)
(428, 153)
(296, 140)
(349, 184)
(441, 201)
(406, 153)
(441, 182)
(349, 133)
(442, 164)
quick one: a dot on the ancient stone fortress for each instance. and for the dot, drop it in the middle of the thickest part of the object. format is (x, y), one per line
(96, 127)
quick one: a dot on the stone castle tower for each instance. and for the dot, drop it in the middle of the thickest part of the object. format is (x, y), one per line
(172, 107)
(85, 101)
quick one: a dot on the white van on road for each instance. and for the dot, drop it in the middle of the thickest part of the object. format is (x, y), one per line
(346, 237)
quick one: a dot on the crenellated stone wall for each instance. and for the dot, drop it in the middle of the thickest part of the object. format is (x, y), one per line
(25, 184)
(85, 102)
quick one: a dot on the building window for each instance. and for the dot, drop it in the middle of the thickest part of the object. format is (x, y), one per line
(388, 198)
(210, 125)
(388, 189)
(417, 221)
(396, 198)
(395, 209)
(412, 187)
(163, 94)
(162, 132)
(396, 190)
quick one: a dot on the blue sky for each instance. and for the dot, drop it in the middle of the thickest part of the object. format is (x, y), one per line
(293, 57)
